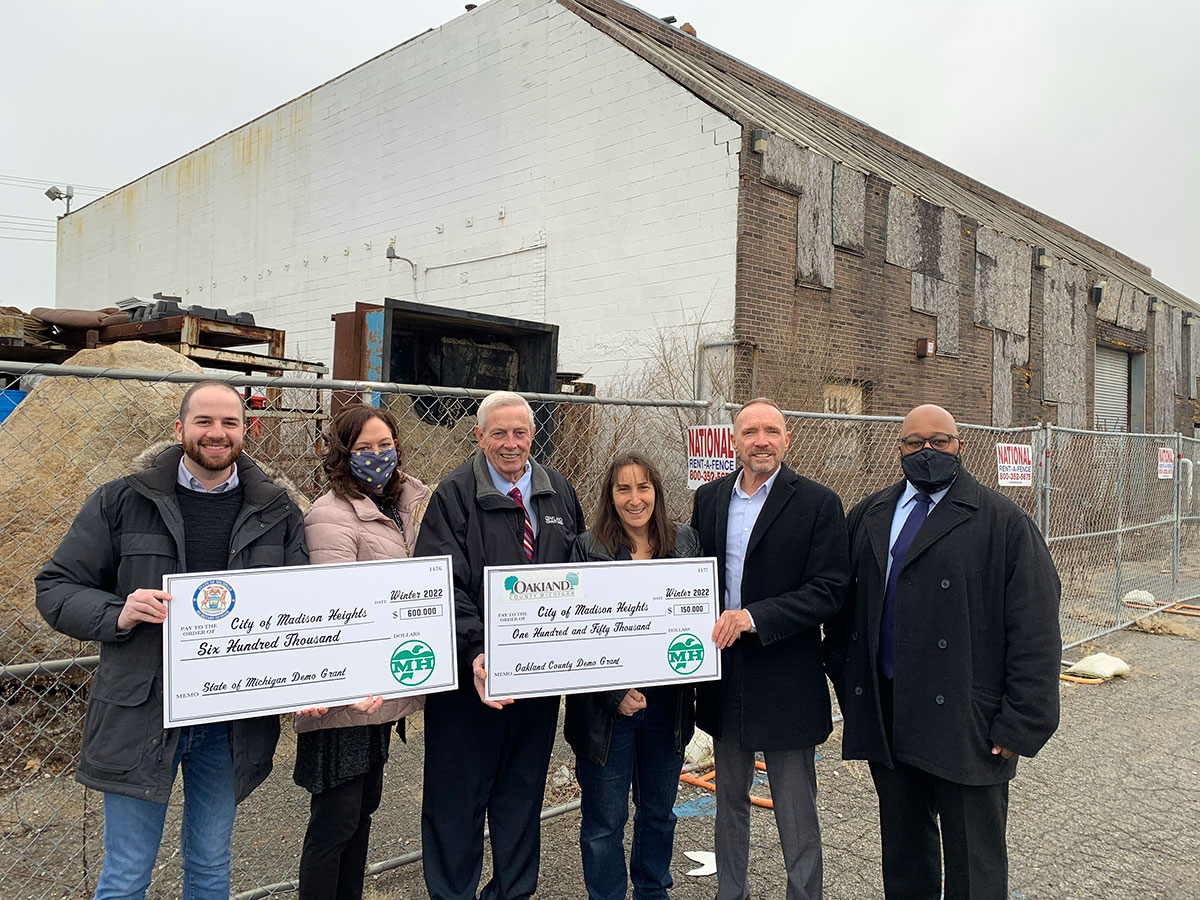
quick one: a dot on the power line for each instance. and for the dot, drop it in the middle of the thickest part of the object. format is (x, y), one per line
(40, 240)
(19, 181)
(43, 183)
(25, 226)
(37, 219)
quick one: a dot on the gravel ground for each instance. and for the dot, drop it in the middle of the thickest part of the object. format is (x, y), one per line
(1108, 809)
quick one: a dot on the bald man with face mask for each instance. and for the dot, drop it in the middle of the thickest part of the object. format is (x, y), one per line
(945, 659)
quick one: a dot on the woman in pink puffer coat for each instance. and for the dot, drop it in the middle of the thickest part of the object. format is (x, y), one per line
(370, 512)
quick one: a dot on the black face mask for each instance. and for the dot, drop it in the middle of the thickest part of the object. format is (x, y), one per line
(930, 470)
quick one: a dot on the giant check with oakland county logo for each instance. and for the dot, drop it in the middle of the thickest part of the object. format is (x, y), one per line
(260, 641)
(599, 626)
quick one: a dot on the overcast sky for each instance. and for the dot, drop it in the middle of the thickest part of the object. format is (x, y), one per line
(1087, 111)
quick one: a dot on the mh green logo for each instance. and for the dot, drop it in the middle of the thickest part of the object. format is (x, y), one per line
(685, 653)
(412, 663)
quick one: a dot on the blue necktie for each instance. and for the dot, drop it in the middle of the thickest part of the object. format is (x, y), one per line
(887, 639)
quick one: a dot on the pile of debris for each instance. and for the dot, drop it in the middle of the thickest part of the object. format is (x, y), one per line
(48, 327)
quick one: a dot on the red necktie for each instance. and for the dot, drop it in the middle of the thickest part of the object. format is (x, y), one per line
(527, 534)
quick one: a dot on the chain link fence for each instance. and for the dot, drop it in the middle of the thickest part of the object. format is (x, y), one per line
(1116, 499)
(1187, 554)
(1125, 542)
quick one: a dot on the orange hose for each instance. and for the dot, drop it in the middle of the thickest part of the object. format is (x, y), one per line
(1076, 679)
(1179, 609)
(706, 781)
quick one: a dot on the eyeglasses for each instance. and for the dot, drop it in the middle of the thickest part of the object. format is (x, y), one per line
(938, 441)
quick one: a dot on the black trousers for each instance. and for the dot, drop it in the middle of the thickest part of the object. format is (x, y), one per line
(971, 837)
(481, 761)
(333, 858)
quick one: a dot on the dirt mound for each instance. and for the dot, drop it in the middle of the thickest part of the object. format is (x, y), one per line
(65, 439)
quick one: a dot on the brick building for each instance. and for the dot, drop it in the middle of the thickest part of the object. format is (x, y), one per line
(580, 163)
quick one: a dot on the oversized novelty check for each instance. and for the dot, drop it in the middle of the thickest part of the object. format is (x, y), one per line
(599, 626)
(260, 641)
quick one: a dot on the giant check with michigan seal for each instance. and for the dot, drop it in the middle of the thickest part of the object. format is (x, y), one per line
(261, 641)
(571, 628)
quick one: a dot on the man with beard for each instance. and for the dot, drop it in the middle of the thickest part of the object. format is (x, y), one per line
(192, 506)
(945, 660)
(780, 544)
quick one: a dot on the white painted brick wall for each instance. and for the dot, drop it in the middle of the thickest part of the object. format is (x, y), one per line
(619, 192)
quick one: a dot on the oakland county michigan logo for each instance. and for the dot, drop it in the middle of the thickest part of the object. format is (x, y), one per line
(412, 663)
(213, 599)
(685, 653)
(564, 588)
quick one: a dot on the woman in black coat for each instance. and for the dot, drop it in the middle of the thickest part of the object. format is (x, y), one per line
(632, 738)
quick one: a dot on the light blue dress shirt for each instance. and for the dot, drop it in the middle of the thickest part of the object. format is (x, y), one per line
(900, 516)
(524, 484)
(743, 514)
(188, 480)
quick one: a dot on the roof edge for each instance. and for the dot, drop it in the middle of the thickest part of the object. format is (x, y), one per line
(260, 117)
(645, 23)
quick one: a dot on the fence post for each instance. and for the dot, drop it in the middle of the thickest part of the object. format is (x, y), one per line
(1122, 478)
(1048, 441)
(1177, 530)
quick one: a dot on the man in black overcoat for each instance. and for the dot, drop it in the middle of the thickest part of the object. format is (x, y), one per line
(779, 540)
(945, 659)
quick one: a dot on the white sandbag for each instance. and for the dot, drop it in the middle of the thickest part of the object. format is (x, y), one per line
(1099, 665)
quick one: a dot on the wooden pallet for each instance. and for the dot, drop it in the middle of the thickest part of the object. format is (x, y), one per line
(211, 343)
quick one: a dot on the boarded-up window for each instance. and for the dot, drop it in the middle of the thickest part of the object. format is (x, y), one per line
(843, 436)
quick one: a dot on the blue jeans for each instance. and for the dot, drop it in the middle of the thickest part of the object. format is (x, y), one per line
(641, 753)
(133, 828)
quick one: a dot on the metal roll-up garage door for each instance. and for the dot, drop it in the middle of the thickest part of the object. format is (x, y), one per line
(1112, 390)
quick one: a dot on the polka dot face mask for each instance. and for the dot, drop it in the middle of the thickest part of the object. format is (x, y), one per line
(373, 469)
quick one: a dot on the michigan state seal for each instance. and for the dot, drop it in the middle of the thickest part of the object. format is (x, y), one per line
(213, 599)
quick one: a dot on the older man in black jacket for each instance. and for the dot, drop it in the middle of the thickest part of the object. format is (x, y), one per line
(779, 540)
(499, 508)
(191, 506)
(945, 660)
